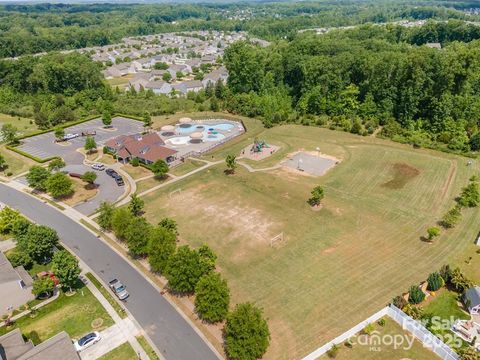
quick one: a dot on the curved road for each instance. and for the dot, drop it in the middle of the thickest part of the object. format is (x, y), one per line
(175, 338)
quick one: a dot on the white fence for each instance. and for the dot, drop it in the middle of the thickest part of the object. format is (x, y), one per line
(429, 340)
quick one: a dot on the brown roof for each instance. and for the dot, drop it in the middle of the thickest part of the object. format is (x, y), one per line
(148, 146)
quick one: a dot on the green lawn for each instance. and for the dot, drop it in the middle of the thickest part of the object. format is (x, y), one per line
(123, 352)
(73, 314)
(339, 265)
(108, 295)
(186, 167)
(149, 183)
(148, 349)
(362, 350)
(25, 126)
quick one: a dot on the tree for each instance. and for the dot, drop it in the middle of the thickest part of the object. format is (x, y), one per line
(20, 227)
(160, 66)
(207, 259)
(8, 217)
(459, 281)
(105, 214)
(56, 164)
(107, 119)
(9, 133)
(37, 177)
(59, 133)
(179, 75)
(416, 295)
(3, 163)
(212, 298)
(89, 177)
(169, 224)
(59, 185)
(147, 119)
(66, 269)
(167, 77)
(90, 144)
(317, 196)
(435, 281)
(38, 242)
(399, 302)
(137, 234)
(20, 258)
(433, 232)
(183, 270)
(468, 353)
(246, 333)
(160, 168)
(120, 222)
(470, 196)
(136, 205)
(231, 162)
(43, 285)
(161, 246)
(451, 218)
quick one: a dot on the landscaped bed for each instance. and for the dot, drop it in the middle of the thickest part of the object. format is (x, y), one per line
(338, 265)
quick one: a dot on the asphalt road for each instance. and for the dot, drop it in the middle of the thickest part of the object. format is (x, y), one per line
(165, 326)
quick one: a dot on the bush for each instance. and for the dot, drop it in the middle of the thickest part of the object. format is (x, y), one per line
(367, 330)
(381, 322)
(416, 295)
(435, 281)
(333, 352)
(134, 162)
(20, 258)
(34, 338)
(451, 218)
(399, 302)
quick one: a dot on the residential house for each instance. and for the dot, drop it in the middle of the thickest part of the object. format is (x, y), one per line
(14, 347)
(119, 70)
(213, 77)
(158, 87)
(175, 68)
(142, 64)
(17, 283)
(187, 86)
(472, 300)
(146, 148)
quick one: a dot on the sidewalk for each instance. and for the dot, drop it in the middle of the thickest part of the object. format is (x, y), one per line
(124, 330)
(6, 245)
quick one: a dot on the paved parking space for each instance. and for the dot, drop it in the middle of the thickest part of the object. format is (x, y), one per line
(44, 146)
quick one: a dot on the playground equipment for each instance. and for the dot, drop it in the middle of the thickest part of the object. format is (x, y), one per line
(259, 145)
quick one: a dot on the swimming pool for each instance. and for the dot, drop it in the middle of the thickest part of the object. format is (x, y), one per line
(204, 127)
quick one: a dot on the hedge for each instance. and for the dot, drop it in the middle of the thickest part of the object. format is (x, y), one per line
(34, 158)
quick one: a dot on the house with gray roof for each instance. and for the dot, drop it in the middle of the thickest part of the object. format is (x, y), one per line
(159, 87)
(218, 74)
(472, 300)
(15, 282)
(187, 86)
(14, 347)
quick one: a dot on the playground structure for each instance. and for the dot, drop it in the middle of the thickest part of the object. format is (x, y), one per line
(259, 150)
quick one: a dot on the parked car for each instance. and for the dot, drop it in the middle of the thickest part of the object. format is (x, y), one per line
(87, 341)
(111, 172)
(75, 175)
(119, 181)
(118, 289)
(70, 136)
(98, 167)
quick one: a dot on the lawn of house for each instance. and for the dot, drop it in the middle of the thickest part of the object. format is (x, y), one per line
(136, 172)
(123, 352)
(339, 265)
(73, 314)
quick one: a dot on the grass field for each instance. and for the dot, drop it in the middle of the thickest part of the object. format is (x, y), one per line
(123, 352)
(362, 351)
(24, 126)
(73, 314)
(340, 264)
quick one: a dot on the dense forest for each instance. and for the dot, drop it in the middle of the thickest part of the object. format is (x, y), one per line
(28, 29)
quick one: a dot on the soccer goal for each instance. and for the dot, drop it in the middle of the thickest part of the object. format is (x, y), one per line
(176, 191)
(277, 240)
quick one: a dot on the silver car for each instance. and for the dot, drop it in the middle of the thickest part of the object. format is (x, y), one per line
(118, 289)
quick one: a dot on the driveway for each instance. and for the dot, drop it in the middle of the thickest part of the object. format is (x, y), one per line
(170, 332)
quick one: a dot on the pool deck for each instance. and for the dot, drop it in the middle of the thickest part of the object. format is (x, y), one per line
(189, 149)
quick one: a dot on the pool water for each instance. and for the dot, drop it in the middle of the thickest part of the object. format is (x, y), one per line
(205, 128)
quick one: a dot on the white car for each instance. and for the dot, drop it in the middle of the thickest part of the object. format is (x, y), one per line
(87, 341)
(70, 136)
(98, 167)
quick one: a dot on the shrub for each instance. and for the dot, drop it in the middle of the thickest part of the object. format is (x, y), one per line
(367, 330)
(416, 295)
(135, 162)
(399, 302)
(20, 258)
(451, 218)
(435, 281)
(415, 312)
(381, 322)
(333, 352)
(33, 336)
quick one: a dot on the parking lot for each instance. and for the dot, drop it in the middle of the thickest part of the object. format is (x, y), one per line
(44, 146)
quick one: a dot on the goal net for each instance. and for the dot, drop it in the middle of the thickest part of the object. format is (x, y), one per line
(176, 191)
(277, 240)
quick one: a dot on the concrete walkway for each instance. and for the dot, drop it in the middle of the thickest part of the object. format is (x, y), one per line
(6, 245)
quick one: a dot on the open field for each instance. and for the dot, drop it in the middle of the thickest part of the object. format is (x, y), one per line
(186, 167)
(24, 126)
(383, 352)
(74, 314)
(17, 163)
(136, 172)
(83, 192)
(340, 264)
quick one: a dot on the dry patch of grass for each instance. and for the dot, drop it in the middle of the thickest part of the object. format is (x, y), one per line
(402, 174)
(82, 192)
(136, 172)
(150, 183)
